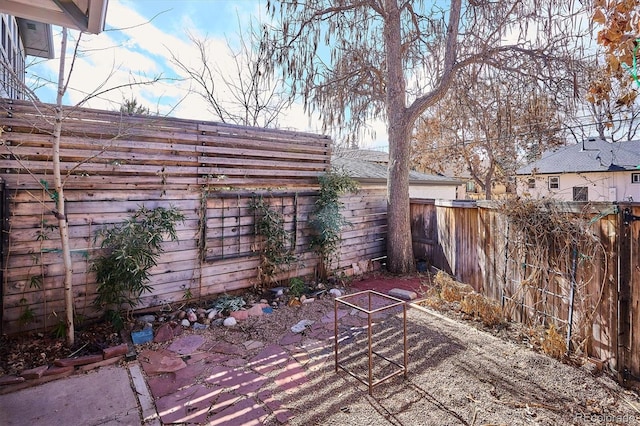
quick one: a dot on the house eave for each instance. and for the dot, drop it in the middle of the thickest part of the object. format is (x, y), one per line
(37, 38)
(82, 15)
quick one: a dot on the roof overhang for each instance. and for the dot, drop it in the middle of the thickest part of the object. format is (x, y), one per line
(37, 38)
(83, 15)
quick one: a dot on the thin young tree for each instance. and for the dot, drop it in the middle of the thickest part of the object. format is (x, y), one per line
(65, 71)
(357, 60)
(60, 213)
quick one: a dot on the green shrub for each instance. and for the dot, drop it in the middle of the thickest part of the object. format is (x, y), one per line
(327, 221)
(130, 249)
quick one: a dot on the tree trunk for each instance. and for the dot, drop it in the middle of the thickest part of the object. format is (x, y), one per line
(488, 188)
(59, 191)
(399, 249)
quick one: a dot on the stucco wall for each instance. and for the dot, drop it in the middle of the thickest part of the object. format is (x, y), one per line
(609, 186)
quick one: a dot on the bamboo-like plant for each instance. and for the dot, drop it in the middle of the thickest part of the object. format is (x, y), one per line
(130, 250)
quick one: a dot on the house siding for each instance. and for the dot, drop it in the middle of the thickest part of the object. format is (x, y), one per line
(602, 186)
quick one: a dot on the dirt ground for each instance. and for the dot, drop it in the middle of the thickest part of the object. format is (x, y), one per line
(458, 374)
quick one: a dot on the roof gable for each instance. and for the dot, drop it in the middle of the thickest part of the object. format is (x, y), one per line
(594, 155)
(372, 166)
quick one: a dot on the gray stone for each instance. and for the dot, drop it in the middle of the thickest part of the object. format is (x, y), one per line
(191, 316)
(279, 291)
(301, 326)
(146, 319)
(403, 294)
(185, 323)
(229, 322)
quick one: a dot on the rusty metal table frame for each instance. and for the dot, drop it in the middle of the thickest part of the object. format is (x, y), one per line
(392, 303)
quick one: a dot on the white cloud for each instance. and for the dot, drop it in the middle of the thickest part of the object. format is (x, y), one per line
(140, 48)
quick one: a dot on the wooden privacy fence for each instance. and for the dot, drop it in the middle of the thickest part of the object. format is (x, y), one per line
(593, 296)
(112, 164)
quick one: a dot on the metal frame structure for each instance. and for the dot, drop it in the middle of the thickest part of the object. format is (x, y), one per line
(389, 303)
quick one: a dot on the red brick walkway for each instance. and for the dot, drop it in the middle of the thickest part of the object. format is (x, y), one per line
(384, 283)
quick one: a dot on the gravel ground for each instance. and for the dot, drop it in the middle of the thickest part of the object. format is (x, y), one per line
(457, 375)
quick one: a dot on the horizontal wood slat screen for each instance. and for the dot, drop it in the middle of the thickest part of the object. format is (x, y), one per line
(114, 163)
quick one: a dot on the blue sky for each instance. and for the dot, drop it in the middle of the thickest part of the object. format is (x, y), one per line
(132, 48)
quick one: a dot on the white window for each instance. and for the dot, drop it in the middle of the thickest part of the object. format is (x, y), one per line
(554, 182)
(635, 177)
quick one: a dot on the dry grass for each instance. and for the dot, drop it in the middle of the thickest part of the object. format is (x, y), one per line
(447, 293)
(450, 289)
(479, 307)
(553, 343)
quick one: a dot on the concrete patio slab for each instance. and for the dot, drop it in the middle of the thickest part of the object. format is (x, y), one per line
(103, 396)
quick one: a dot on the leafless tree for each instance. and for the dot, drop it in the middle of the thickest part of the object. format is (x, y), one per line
(358, 60)
(486, 127)
(245, 95)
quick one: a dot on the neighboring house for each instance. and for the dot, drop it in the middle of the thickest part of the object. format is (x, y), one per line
(369, 168)
(26, 31)
(82, 15)
(471, 190)
(594, 170)
(20, 37)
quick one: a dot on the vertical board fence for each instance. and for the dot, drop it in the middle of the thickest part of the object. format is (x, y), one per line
(113, 163)
(595, 298)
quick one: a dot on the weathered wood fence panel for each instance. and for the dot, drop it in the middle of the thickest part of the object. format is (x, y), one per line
(115, 163)
(603, 321)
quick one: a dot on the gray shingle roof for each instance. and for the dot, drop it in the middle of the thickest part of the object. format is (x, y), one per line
(369, 165)
(591, 156)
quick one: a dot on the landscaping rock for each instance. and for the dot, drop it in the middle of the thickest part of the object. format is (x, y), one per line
(187, 345)
(229, 322)
(144, 319)
(403, 294)
(158, 362)
(301, 326)
(164, 333)
(335, 292)
(240, 315)
(253, 344)
(278, 291)
(257, 310)
(185, 323)
(192, 316)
